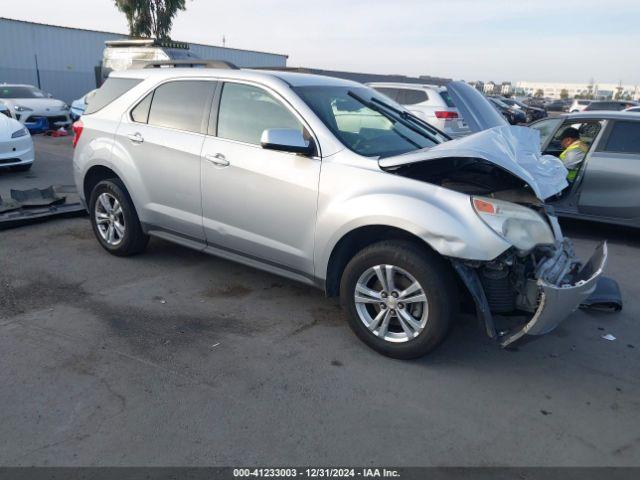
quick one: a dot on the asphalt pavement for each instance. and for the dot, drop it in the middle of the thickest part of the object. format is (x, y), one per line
(177, 358)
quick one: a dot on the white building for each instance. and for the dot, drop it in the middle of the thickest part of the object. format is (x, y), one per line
(601, 90)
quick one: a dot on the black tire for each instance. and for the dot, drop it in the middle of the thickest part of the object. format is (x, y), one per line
(23, 168)
(134, 240)
(434, 275)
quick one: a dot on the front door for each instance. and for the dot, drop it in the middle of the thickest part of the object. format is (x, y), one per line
(611, 183)
(258, 203)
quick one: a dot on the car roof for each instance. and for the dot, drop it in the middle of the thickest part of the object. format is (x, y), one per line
(406, 85)
(602, 115)
(293, 79)
(16, 85)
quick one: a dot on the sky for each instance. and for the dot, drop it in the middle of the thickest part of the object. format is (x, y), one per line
(500, 40)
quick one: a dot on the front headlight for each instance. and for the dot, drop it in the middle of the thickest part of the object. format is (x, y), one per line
(20, 133)
(522, 227)
(20, 108)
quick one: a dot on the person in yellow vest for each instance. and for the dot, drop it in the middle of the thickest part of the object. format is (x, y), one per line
(574, 151)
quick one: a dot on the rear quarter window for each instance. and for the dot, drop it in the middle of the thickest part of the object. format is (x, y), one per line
(447, 99)
(110, 90)
(624, 138)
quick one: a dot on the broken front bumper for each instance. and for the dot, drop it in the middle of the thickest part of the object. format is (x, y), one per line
(558, 302)
(553, 299)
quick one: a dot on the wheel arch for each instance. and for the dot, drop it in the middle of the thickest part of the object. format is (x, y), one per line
(356, 240)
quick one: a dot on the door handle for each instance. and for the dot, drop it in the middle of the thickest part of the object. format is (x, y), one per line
(218, 159)
(135, 138)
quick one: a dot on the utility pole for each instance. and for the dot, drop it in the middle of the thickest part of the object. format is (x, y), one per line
(224, 40)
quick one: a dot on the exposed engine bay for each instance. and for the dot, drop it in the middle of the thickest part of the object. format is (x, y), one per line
(473, 176)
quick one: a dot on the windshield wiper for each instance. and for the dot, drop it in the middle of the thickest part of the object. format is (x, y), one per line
(394, 114)
(410, 116)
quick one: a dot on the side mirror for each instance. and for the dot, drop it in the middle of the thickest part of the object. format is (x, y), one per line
(287, 140)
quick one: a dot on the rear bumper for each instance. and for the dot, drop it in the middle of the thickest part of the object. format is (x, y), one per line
(558, 302)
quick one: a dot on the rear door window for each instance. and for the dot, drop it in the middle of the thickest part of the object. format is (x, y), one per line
(182, 105)
(110, 90)
(624, 137)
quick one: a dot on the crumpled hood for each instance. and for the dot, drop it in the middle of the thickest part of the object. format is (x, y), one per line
(515, 149)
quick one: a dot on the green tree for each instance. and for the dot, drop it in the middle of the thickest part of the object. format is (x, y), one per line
(539, 93)
(564, 94)
(150, 18)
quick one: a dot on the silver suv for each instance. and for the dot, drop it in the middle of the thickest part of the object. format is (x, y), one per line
(326, 182)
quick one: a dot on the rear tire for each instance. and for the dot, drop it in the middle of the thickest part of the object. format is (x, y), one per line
(114, 219)
(414, 327)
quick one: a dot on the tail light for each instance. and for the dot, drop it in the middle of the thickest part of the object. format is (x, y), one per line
(447, 115)
(77, 131)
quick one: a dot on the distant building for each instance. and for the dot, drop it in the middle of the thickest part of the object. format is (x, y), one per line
(62, 60)
(505, 88)
(600, 91)
(490, 88)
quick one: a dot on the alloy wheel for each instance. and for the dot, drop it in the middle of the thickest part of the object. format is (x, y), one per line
(391, 303)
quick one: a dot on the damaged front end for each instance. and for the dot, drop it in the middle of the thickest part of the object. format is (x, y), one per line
(538, 282)
(544, 286)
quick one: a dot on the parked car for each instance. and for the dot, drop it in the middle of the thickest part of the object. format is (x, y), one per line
(399, 222)
(513, 115)
(534, 102)
(28, 104)
(607, 185)
(16, 146)
(78, 106)
(579, 105)
(531, 113)
(430, 103)
(555, 106)
(614, 105)
(4, 110)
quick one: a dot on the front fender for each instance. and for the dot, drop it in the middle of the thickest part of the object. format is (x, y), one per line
(444, 219)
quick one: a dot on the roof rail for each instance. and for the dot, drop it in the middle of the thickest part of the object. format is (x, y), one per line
(191, 63)
(147, 42)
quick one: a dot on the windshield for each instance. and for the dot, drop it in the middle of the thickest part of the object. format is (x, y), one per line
(366, 122)
(20, 92)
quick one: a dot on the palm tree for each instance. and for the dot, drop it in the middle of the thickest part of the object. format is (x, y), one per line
(150, 18)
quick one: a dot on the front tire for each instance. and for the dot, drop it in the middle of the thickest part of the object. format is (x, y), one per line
(114, 219)
(400, 298)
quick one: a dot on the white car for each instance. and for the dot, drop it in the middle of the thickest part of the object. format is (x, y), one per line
(579, 105)
(633, 109)
(28, 103)
(430, 103)
(79, 106)
(16, 146)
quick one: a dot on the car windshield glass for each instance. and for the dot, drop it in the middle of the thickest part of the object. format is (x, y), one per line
(500, 103)
(20, 92)
(369, 128)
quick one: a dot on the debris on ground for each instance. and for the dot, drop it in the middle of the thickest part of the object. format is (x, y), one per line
(609, 337)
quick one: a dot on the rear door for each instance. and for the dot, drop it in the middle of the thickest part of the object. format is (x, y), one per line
(611, 182)
(163, 136)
